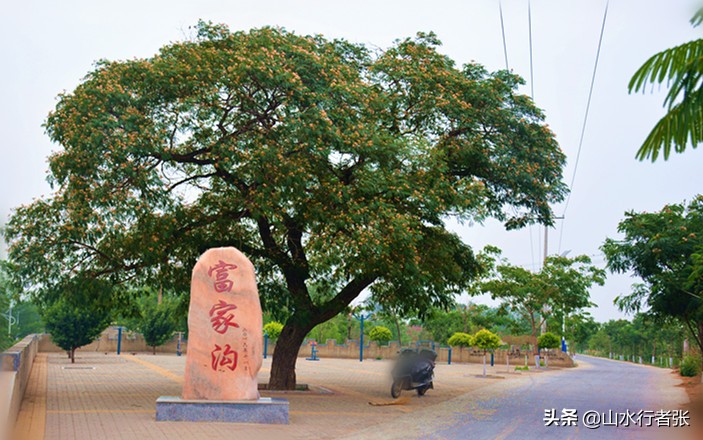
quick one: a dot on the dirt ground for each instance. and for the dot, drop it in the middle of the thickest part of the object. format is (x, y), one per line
(694, 389)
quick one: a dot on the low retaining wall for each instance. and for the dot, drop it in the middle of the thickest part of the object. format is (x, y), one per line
(15, 367)
(350, 350)
(134, 343)
(107, 343)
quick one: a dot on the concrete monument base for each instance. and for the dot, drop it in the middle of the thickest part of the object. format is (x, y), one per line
(263, 410)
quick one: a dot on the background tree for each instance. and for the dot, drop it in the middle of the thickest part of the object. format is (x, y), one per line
(681, 69)
(380, 334)
(157, 320)
(5, 339)
(665, 249)
(601, 342)
(580, 328)
(331, 166)
(26, 315)
(561, 284)
(444, 324)
(642, 336)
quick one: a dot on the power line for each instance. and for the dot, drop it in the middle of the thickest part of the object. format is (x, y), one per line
(529, 22)
(502, 30)
(585, 119)
(507, 67)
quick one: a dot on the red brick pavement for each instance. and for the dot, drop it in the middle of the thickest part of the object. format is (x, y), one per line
(109, 397)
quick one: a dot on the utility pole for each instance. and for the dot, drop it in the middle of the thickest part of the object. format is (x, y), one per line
(545, 309)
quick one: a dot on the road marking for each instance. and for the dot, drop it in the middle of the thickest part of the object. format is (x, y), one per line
(31, 420)
(509, 430)
(161, 371)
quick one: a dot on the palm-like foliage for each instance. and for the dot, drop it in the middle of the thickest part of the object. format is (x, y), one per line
(682, 68)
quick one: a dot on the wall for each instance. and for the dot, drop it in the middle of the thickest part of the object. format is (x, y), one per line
(134, 342)
(350, 350)
(107, 343)
(15, 367)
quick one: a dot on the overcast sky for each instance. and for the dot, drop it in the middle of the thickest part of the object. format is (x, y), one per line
(46, 47)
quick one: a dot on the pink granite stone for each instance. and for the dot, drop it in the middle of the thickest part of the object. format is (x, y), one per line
(225, 336)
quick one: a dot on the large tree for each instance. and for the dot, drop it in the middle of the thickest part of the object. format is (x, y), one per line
(562, 284)
(681, 69)
(333, 167)
(665, 249)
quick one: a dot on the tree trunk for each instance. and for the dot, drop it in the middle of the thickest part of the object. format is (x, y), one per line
(397, 327)
(286, 354)
(73, 355)
(153, 347)
(699, 340)
(349, 326)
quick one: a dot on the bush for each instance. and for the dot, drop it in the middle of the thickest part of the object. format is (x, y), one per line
(548, 340)
(380, 334)
(690, 366)
(273, 329)
(460, 339)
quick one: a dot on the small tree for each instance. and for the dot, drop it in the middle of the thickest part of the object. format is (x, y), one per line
(157, 322)
(460, 339)
(72, 326)
(486, 341)
(273, 329)
(380, 334)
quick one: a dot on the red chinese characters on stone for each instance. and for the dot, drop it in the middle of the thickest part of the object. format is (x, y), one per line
(221, 317)
(222, 283)
(224, 358)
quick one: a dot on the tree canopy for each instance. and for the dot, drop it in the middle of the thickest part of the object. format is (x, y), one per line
(460, 339)
(78, 319)
(332, 166)
(681, 69)
(486, 340)
(665, 249)
(562, 283)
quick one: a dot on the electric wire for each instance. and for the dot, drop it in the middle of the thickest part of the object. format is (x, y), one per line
(507, 67)
(585, 120)
(529, 23)
(502, 31)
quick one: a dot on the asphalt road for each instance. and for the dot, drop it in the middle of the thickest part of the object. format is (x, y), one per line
(600, 399)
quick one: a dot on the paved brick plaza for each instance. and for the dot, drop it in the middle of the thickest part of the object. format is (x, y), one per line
(113, 397)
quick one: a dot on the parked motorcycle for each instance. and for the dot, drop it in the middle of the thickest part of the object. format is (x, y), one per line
(413, 371)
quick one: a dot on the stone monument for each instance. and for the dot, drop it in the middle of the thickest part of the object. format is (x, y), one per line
(225, 347)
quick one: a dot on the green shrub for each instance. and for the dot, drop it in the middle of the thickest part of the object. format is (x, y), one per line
(273, 329)
(690, 366)
(380, 334)
(548, 340)
(460, 339)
